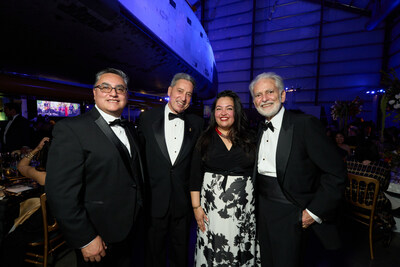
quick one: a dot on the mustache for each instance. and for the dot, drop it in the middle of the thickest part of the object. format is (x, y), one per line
(266, 103)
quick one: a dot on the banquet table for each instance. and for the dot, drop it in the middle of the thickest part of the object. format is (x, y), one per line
(393, 194)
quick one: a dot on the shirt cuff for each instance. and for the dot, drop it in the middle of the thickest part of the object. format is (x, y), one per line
(87, 244)
(315, 217)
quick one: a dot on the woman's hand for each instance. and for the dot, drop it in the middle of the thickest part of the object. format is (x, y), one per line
(200, 216)
(41, 144)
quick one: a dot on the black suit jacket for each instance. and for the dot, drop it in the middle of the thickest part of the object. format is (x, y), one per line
(167, 184)
(18, 134)
(310, 171)
(93, 186)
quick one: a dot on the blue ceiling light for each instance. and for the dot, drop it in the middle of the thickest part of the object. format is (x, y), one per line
(293, 89)
(375, 92)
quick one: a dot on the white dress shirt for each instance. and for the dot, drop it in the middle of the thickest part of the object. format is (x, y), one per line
(267, 152)
(117, 129)
(174, 131)
(269, 142)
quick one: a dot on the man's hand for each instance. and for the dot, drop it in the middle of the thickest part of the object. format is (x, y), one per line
(306, 219)
(95, 250)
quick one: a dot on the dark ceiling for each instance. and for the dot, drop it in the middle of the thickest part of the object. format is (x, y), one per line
(68, 41)
(361, 5)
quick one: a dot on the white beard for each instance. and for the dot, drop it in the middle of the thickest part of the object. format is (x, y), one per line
(271, 113)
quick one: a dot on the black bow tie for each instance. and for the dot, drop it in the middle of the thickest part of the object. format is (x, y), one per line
(118, 122)
(266, 126)
(172, 116)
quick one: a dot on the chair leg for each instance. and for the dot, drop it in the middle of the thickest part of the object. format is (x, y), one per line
(371, 249)
(45, 253)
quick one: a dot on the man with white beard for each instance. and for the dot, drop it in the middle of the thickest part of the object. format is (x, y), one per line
(299, 175)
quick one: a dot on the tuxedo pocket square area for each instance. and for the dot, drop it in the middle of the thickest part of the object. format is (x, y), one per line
(97, 202)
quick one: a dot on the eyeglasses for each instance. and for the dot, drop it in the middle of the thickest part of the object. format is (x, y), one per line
(106, 88)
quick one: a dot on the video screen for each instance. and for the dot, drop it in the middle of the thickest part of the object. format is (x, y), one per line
(58, 109)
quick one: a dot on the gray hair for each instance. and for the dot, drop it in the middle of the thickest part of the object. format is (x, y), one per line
(183, 76)
(113, 71)
(267, 75)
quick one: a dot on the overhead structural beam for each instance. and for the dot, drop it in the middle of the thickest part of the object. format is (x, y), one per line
(349, 8)
(195, 5)
(253, 33)
(203, 13)
(321, 27)
(107, 9)
(380, 11)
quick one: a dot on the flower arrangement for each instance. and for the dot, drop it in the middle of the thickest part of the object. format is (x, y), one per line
(391, 98)
(392, 158)
(344, 110)
(390, 102)
(395, 103)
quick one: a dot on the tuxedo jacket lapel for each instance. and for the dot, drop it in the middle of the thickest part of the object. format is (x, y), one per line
(134, 147)
(259, 136)
(159, 133)
(158, 129)
(123, 151)
(284, 146)
(187, 139)
(285, 142)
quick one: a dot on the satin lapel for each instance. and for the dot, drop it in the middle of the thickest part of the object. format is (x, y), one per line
(134, 147)
(259, 136)
(158, 129)
(187, 139)
(123, 151)
(284, 146)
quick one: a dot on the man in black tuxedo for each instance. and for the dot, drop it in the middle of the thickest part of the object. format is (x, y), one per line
(169, 136)
(94, 177)
(15, 135)
(300, 178)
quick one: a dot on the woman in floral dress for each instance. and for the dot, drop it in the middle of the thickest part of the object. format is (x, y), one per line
(222, 190)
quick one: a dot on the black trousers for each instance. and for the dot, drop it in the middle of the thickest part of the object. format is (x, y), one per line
(127, 253)
(280, 233)
(117, 254)
(170, 234)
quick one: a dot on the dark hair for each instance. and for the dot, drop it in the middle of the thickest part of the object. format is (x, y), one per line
(367, 150)
(113, 71)
(341, 133)
(13, 106)
(183, 76)
(239, 133)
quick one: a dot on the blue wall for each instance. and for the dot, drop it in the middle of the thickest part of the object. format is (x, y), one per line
(337, 59)
(394, 51)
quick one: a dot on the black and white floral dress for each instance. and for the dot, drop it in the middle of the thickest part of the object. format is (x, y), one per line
(227, 198)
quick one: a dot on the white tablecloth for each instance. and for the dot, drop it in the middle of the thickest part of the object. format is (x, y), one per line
(394, 188)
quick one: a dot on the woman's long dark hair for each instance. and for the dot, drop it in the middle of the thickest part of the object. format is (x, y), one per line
(42, 157)
(239, 133)
(367, 150)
